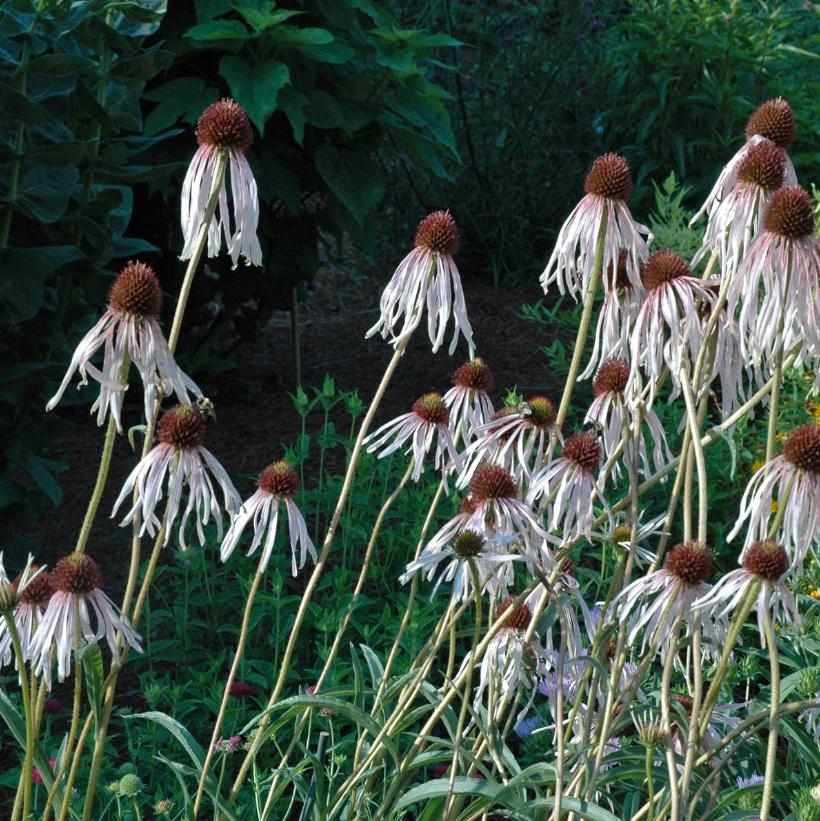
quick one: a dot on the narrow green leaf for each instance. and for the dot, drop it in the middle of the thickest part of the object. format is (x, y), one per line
(91, 659)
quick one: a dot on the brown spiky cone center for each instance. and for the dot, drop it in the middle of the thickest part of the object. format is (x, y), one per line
(492, 482)
(584, 450)
(609, 177)
(790, 214)
(773, 120)
(468, 544)
(612, 377)
(520, 618)
(77, 573)
(183, 426)
(766, 559)
(438, 232)
(475, 375)
(279, 479)
(224, 124)
(662, 267)
(38, 591)
(542, 413)
(691, 562)
(802, 448)
(764, 165)
(136, 291)
(431, 409)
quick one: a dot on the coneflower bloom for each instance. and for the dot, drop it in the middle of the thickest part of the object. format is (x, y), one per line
(772, 122)
(798, 467)
(28, 584)
(428, 420)
(621, 306)
(569, 486)
(495, 572)
(31, 601)
(607, 186)
(498, 509)
(426, 276)
(722, 720)
(278, 484)
(611, 410)
(510, 663)
(516, 438)
(78, 611)
(223, 126)
(657, 604)
(128, 332)
(620, 535)
(180, 458)
(667, 330)
(783, 262)
(738, 219)
(469, 400)
(765, 562)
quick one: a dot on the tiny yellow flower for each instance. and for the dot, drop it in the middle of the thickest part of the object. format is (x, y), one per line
(774, 507)
(815, 594)
(780, 436)
(757, 464)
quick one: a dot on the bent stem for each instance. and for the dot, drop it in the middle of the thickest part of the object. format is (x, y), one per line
(774, 718)
(223, 707)
(320, 566)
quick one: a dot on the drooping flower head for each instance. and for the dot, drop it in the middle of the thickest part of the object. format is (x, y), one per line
(668, 330)
(656, 605)
(469, 399)
(516, 438)
(78, 613)
(181, 458)
(278, 484)
(607, 187)
(569, 486)
(772, 122)
(22, 601)
(613, 407)
(765, 562)
(128, 332)
(428, 420)
(223, 127)
(738, 219)
(793, 478)
(427, 276)
(776, 291)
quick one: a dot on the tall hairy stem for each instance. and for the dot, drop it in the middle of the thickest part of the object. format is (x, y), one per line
(318, 570)
(583, 327)
(671, 763)
(28, 715)
(774, 718)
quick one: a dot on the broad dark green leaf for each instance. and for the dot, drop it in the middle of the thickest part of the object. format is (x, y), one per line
(182, 99)
(353, 176)
(255, 87)
(218, 30)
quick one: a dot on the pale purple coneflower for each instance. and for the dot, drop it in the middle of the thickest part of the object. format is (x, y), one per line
(668, 329)
(765, 562)
(493, 565)
(28, 596)
(620, 308)
(517, 438)
(620, 535)
(426, 276)
(570, 485)
(772, 122)
(607, 186)
(498, 508)
(128, 332)
(180, 458)
(510, 663)
(278, 484)
(721, 720)
(798, 468)
(612, 410)
(738, 219)
(223, 126)
(469, 400)
(78, 611)
(657, 604)
(777, 288)
(428, 420)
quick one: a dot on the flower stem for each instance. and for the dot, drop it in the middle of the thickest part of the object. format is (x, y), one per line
(318, 570)
(774, 405)
(671, 654)
(703, 496)
(96, 494)
(774, 718)
(28, 759)
(583, 327)
(650, 783)
(223, 707)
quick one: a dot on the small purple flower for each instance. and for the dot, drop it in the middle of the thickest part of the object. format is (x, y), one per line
(753, 780)
(525, 728)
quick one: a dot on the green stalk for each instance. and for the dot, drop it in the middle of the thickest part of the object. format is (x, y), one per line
(650, 782)
(774, 718)
(583, 327)
(671, 654)
(28, 759)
